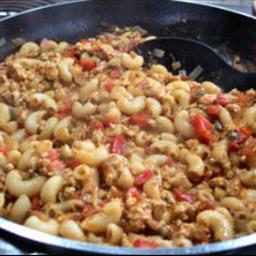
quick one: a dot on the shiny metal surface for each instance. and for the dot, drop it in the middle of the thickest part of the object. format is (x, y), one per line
(63, 243)
(58, 242)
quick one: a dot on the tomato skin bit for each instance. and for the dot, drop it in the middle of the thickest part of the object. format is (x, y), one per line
(134, 192)
(88, 64)
(118, 144)
(182, 195)
(246, 132)
(4, 150)
(140, 179)
(243, 134)
(110, 119)
(203, 129)
(109, 86)
(222, 100)
(142, 120)
(234, 146)
(213, 110)
(141, 243)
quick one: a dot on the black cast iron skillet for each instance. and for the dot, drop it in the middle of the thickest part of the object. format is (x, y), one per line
(226, 31)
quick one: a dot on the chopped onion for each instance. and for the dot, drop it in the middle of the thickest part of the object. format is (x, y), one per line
(158, 53)
(2, 41)
(196, 72)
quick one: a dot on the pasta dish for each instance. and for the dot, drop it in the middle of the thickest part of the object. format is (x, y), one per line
(97, 147)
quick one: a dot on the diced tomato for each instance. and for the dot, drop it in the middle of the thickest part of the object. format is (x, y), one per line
(245, 132)
(142, 120)
(234, 146)
(116, 73)
(249, 153)
(35, 202)
(110, 119)
(182, 195)
(109, 86)
(87, 211)
(96, 125)
(53, 155)
(133, 192)
(88, 64)
(72, 163)
(118, 144)
(213, 110)
(246, 151)
(203, 129)
(4, 150)
(222, 100)
(142, 243)
(140, 179)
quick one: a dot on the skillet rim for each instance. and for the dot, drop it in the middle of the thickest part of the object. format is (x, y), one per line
(63, 243)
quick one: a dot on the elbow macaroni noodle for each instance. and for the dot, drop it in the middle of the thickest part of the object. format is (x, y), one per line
(96, 146)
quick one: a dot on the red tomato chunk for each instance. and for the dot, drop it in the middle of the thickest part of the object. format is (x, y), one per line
(88, 64)
(143, 177)
(213, 110)
(141, 243)
(133, 192)
(142, 120)
(4, 150)
(182, 195)
(222, 100)
(203, 129)
(118, 144)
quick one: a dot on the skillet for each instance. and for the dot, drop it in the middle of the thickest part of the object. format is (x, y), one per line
(226, 31)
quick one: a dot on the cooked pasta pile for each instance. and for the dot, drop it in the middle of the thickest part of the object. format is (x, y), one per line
(95, 147)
